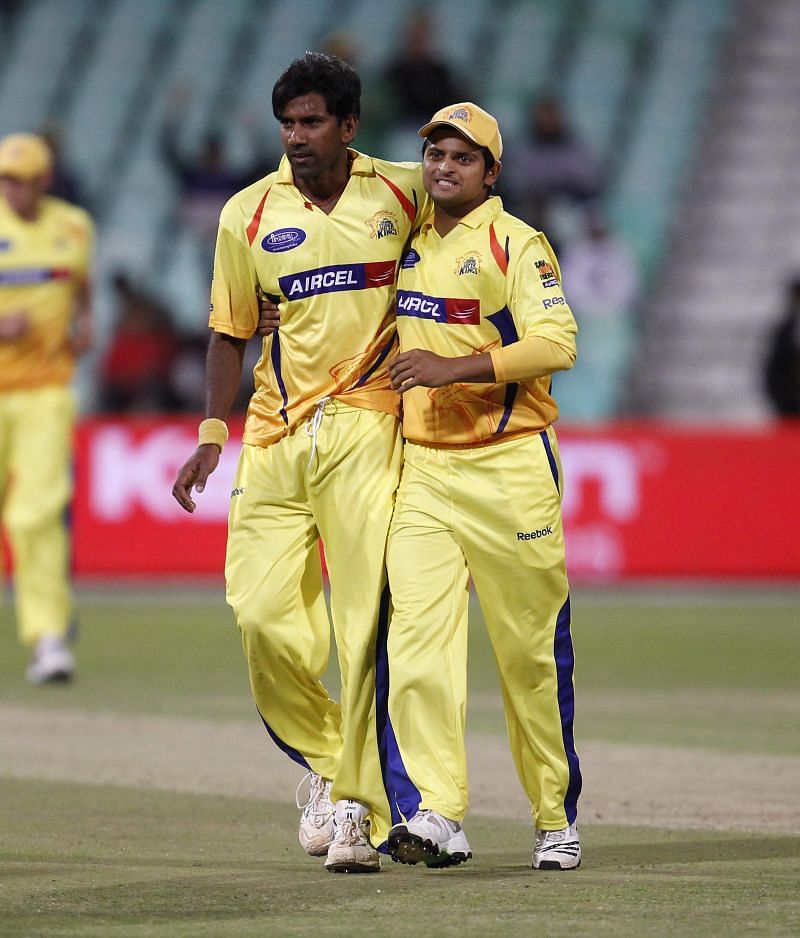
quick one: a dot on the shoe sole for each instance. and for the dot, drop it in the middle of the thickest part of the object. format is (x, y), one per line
(555, 865)
(408, 848)
(352, 868)
(57, 677)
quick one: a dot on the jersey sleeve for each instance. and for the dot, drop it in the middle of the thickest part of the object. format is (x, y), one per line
(540, 311)
(85, 259)
(530, 358)
(234, 288)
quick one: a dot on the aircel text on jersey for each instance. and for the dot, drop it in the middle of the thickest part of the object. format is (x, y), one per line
(414, 303)
(331, 278)
(338, 278)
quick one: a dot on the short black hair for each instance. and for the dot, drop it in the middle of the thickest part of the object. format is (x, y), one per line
(319, 73)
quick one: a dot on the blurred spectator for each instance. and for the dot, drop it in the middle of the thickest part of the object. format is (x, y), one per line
(135, 370)
(206, 177)
(782, 367)
(601, 281)
(65, 182)
(550, 169)
(418, 81)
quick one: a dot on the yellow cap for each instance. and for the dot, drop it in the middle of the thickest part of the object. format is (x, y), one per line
(24, 156)
(471, 121)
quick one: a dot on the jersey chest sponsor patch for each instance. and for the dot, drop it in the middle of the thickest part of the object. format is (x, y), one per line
(27, 276)
(337, 278)
(283, 239)
(451, 310)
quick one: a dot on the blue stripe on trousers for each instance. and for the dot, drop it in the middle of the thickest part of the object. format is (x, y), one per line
(565, 665)
(292, 753)
(404, 797)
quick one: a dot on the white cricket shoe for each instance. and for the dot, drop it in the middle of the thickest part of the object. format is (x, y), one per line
(351, 851)
(52, 661)
(557, 850)
(429, 837)
(317, 822)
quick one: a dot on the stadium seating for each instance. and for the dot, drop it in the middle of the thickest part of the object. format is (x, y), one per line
(635, 77)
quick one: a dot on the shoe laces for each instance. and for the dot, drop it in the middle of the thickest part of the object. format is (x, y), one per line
(352, 834)
(313, 424)
(317, 806)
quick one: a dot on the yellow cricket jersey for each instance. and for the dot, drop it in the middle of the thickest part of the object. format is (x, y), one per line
(334, 277)
(43, 263)
(490, 282)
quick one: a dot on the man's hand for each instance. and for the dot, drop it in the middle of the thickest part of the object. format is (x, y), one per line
(269, 318)
(195, 472)
(420, 369)
(14, 326)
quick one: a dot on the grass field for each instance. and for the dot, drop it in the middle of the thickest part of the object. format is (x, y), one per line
(144, 800)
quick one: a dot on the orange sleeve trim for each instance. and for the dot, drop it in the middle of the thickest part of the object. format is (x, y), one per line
(408, 206)
(255, 221)
(500, 255)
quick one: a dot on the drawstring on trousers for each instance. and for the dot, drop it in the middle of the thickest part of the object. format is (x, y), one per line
(313, 425)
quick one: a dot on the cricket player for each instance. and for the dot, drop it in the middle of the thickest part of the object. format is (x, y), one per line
(45, 322)
(322, 237)
(483, 324)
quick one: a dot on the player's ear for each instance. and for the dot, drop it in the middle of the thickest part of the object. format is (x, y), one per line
(349, 129)
(491, 176)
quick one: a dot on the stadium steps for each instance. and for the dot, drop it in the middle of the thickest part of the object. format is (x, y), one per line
(736, 242)
(650, 174)
(48, 38)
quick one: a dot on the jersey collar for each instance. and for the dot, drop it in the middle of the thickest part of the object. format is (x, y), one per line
(362, 166)
(485, 212)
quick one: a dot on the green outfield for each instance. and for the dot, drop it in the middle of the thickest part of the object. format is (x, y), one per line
(144, 799)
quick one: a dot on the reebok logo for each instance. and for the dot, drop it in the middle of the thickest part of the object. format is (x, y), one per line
(237, 492)
(532, 535)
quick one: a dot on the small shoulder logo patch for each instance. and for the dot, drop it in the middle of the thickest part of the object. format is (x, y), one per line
(546, 274)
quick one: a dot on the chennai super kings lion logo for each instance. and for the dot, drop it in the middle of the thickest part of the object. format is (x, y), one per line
(460, 114)
(468, 264)
(382, 224)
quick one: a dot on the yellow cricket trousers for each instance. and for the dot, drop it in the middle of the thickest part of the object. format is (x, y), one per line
(35, 487)
(333, 478)
(493, 512)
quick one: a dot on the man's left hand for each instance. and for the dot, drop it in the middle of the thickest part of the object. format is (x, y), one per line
(420, 369)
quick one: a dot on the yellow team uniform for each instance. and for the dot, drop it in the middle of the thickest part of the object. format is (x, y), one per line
(43, 263)
(480, 494)
(321, 456)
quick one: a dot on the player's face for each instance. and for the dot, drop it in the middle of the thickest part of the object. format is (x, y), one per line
(21, 194)
(314, 140)
(454, 172)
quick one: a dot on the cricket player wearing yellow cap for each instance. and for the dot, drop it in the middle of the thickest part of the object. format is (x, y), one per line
(45, 321)
(483, 324)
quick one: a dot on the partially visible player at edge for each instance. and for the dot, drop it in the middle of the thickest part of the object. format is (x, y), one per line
(322, 447)
(483, 324)
(45, 322)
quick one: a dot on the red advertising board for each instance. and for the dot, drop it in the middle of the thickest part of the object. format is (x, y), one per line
(640, 501)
